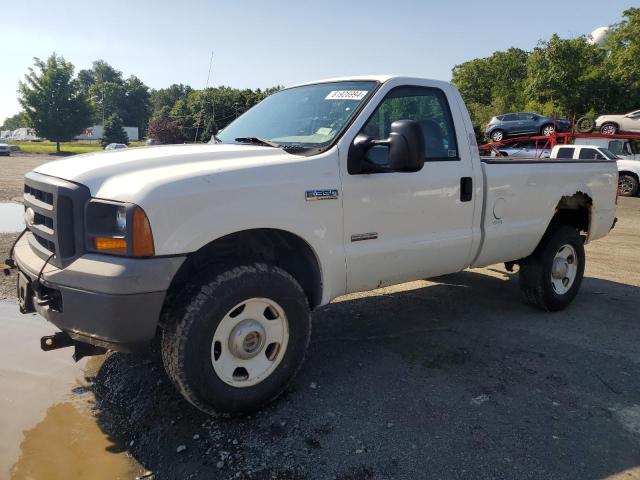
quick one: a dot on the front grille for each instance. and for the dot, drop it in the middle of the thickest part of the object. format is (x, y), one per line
(57, 219)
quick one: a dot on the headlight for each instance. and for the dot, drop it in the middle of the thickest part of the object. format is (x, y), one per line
(118, 228)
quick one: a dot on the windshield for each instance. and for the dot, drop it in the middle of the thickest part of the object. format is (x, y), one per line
(307, 116)
(608, 154)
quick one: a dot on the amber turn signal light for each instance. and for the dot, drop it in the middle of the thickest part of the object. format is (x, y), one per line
(110, 245)
(141, 234)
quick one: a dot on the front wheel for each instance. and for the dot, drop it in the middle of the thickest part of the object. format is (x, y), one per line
(548, 130)
(237, 340)
(551, 276)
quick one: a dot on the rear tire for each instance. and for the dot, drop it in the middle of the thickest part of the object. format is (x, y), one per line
(238, 338)
(497, 135)
(627, 185)
(609, 129)
(551, 276)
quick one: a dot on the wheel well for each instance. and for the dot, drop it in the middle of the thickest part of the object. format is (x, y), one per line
(276, 247)
(606, 122)
(626, 172)
(573, 210)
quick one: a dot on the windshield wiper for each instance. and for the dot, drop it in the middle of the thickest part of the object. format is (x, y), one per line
(257, 141)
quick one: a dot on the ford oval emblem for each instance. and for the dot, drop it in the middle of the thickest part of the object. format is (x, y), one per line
(29, 216)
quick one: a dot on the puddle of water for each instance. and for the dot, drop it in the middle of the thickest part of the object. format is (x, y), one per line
(47, 429)
(11, 217)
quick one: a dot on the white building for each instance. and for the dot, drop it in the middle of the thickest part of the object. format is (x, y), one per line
(95, 133)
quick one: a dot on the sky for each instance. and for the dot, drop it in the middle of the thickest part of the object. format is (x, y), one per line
(266, 43)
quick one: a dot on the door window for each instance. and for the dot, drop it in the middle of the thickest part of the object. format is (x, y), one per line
(590, 154)
(428, 107)
(566, 152)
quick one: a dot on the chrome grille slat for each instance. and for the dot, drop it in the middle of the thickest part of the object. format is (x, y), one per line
(57, 217)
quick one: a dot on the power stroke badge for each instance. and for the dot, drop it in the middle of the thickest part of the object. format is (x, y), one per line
(325, 194)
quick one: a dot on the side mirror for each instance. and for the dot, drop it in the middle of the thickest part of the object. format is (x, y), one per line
(406, 149)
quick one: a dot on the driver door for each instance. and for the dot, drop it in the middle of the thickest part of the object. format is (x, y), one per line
(401, 226)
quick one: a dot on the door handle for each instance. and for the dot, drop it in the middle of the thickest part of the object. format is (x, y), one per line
(466, 189)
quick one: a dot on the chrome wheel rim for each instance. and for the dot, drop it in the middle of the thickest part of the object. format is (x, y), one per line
(625, 185)
(250, 342)
(497, 136)
(564, 269)
(608, 129)
(548, 130)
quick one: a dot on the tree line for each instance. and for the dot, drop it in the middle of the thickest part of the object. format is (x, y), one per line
(59, 105)
(564, 76)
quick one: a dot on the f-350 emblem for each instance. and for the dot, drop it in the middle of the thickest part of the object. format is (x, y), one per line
(324, 194)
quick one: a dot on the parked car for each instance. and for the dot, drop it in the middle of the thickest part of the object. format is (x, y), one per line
(612, 124)
(524, 150)
(628, 169)
(222, 249)
(116, 146)
(523, 123)
(5, 149)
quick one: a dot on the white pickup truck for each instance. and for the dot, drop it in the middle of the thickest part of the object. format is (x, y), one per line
(628, 167)
(220, 251)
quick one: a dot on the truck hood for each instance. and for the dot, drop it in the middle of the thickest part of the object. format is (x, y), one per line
(128, 173)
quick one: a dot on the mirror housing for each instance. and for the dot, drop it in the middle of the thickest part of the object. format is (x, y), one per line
(406, 149)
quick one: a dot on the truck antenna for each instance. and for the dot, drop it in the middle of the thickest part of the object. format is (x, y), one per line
(195, 140)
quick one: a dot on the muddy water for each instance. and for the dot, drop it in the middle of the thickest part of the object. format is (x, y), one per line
(47, 428)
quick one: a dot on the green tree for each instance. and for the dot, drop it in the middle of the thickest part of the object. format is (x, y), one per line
(114, 131)
(52, 101)
(567, 75)
(14, 122)
(622, 63)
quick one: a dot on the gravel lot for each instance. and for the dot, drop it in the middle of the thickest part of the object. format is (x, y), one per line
(449, 378)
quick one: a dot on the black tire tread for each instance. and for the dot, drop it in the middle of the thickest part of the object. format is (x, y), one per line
(532, 276)
(180, 316)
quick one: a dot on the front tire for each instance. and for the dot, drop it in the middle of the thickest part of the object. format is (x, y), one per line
(627, 185)
(238, 340)
(551, 276)
(547, 130)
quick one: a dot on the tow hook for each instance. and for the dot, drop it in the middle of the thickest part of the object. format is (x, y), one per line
(63, 340)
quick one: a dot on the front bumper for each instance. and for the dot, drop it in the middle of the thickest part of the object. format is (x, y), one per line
(108, 301)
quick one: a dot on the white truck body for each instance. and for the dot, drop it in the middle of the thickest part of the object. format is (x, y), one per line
(309, 218)
(194, 194)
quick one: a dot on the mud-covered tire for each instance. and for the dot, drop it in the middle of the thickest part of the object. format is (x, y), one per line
(188, 335)
(536, 271)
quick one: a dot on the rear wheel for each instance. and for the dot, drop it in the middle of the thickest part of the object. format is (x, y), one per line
(238, 340)
(609, 129)
(547, 130)
(497, 135)
(551, 276)
(627, 185)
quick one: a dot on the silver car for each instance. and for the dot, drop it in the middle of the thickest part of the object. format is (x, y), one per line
(612, 124)
(525, 150)
(115, 146)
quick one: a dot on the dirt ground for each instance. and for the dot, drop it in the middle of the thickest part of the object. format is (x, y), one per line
(449, 378)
